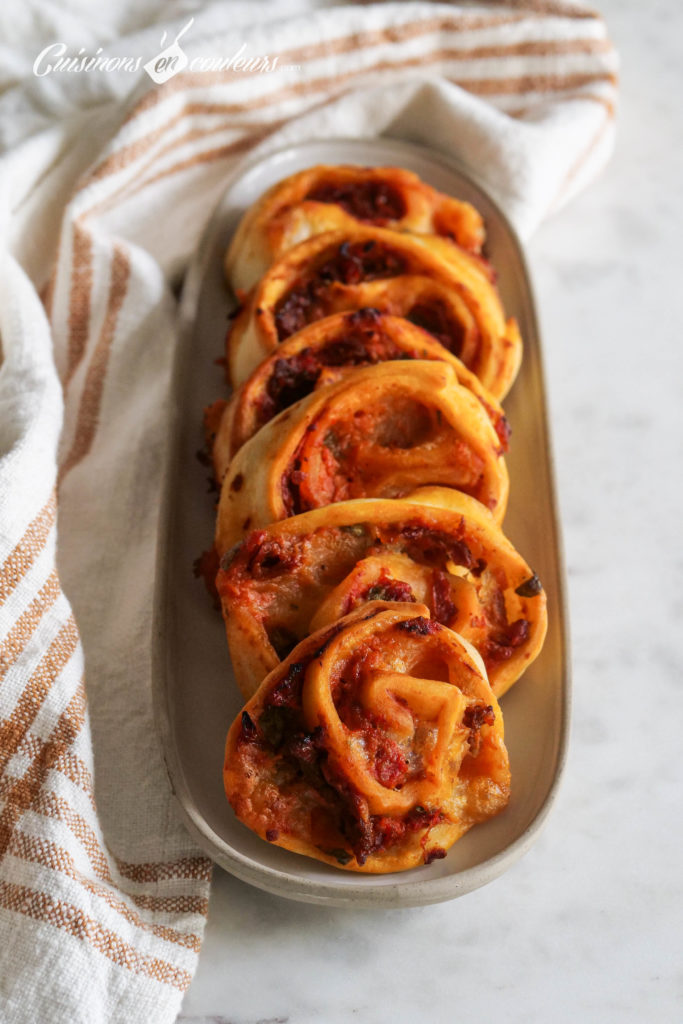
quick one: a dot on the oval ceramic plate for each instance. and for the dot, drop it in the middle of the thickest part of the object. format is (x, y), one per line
(196, 697)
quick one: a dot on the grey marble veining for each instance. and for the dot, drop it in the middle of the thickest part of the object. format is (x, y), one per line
(588, 926)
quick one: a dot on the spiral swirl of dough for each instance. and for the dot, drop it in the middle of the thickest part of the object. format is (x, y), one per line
(374, 746)
(380, 431)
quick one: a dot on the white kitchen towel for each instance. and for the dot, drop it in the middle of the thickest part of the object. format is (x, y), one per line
(103, 895)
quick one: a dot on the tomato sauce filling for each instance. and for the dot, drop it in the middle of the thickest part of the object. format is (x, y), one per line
(502, 643)
(361, 342)
(341, 817)
(262, 557)
(366, 452)
(476, 716)
(388, 761)
(434, 318)
(442, 603)
(384, 588)
(431, 547)
(351, 264)
(373, 201)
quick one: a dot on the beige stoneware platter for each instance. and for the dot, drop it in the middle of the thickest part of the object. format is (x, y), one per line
(195, 696)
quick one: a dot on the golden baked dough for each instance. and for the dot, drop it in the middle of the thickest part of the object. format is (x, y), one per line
(373, 607)
(319, 355)
(338, 198)
(373, 747)
(307, 570)
(380, 431)
(429, 280)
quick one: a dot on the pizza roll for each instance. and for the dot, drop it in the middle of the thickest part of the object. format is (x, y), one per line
(339, 198)
(380, 431)
(428, 280)
(319, 355)
(373, 747)
(437, 545)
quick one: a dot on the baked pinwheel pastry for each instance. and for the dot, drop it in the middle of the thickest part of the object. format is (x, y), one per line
(373, 747)
(321, 354)
(338, 198)
(437, 546)
(380, 431)
(428, 280)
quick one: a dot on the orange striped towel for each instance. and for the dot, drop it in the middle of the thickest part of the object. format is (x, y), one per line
(102, 894)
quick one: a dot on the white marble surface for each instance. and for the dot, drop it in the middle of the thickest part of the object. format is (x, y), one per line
(588, 926)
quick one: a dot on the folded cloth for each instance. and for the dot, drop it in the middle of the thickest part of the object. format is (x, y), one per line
(103, 895)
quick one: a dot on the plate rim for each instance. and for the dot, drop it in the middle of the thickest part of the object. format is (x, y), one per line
(404, 893)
